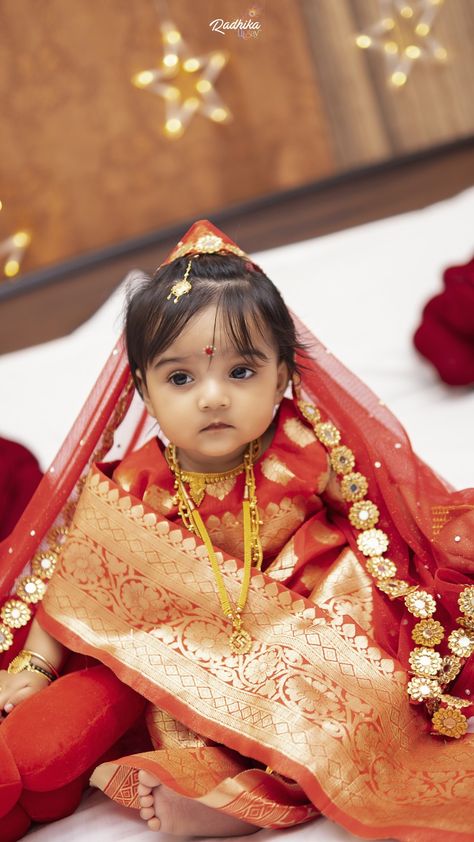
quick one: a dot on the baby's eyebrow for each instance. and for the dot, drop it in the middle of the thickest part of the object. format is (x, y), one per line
(249, 353)
(170, 361)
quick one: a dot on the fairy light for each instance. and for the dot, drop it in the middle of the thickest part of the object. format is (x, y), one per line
(398, 78)
(172, 93)
(11, 268)
(203, 86)
(21, 239)
(191, 65)
(403, 34)
(174, 126)
(185, 82)
(219, 115)
(172, 37)
(143, 79)
(422, 29)
(12, 250)
(170, 60)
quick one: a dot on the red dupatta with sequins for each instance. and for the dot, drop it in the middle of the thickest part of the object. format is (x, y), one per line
(430, 529)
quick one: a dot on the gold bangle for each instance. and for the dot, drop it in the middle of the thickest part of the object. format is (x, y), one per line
(43, 659)
(41, 671)
(23, 662)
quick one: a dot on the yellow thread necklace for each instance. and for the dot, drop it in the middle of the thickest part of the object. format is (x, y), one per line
(240, 640)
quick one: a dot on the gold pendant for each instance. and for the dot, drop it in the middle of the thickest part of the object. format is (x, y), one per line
(197, 488)
(240, 641)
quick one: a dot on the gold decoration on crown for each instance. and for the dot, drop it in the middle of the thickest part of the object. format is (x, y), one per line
(206, 244)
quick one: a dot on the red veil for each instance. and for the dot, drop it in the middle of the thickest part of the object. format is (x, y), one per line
(429, 525)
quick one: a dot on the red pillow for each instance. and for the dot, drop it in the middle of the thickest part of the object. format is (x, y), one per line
(446, 333)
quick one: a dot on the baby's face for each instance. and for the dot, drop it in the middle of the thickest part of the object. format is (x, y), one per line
(208, 399)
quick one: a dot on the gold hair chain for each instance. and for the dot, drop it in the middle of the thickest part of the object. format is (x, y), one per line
(240, 640)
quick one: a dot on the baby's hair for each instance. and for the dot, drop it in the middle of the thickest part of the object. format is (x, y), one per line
(245, 298)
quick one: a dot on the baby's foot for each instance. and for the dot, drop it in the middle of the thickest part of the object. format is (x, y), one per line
(165, 810)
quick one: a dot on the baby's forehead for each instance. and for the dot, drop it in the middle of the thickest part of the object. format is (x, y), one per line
(210, 327)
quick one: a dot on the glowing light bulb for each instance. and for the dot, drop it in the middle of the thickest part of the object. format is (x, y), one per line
(173, 37)
(171, 93)
(203, 86)
(388, 23)
(398, 78)
(363, 41)
(21, 239)
(412, 51)
(422, 29)
(11, 268)
(191, 102)
(173, 126)
(219, 115)
(143, 79)
(218, 59)
(391, 47)
(406, 12)
(191, 65)
(170, 60)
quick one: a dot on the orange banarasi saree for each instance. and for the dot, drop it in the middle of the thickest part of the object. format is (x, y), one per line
(315, 718)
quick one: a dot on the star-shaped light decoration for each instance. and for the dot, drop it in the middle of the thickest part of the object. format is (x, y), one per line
(12, 250)
(403, 34)
(186, 83)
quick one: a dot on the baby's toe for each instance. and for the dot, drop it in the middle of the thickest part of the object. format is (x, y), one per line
(143, 790)
(154, 824)
(147, 779)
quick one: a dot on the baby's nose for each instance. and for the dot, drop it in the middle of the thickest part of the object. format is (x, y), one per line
(213, 396)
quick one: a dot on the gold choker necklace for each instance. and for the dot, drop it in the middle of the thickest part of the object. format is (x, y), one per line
(240, 640)
(198, 481)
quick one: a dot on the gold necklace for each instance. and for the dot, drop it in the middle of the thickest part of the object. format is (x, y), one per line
(198, 481)
(431, 672)
(240, 640)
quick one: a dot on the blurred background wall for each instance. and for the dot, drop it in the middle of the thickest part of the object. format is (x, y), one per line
(88, 164)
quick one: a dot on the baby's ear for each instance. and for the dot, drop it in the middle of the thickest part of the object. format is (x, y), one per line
(282, 379)
(142, 389)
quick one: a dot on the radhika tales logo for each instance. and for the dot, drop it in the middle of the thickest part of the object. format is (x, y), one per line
(245, 28)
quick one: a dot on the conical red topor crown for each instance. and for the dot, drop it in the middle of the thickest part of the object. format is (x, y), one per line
(204, 238)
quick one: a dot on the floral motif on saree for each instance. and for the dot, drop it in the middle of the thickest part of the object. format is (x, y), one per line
(316, 699)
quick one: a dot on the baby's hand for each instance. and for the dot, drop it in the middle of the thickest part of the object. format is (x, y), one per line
(14, 687)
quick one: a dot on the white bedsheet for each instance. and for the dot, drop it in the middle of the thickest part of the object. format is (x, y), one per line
(361, 291)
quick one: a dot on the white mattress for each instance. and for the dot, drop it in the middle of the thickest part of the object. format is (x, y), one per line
(361, 291)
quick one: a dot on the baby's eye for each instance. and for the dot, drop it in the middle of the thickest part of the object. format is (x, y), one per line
(179, 378)
(241, 372)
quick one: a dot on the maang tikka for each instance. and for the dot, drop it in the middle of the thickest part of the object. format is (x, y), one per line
(181, 287)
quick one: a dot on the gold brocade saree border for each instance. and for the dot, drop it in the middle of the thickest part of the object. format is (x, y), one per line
(207, 776)
(315, 698)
